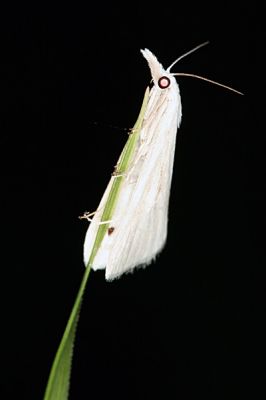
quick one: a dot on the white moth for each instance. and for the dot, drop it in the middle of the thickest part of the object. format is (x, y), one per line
(139, 221)
(138, 228)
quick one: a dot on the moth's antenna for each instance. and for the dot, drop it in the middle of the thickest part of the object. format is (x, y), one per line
(107, 125)
(187, 53)
(208, 80)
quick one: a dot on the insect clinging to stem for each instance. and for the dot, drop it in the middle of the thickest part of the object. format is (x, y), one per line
(129, 228)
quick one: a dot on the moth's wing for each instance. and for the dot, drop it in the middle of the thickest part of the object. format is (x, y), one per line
(102, 254)
(124, 199)
(140, 217)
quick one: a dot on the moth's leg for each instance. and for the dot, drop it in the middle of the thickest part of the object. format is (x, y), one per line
(104, 222)
(131, 131)
(87, 215)
(116, 174)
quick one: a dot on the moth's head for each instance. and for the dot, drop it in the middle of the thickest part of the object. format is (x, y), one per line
(161, 78)
(164, 79)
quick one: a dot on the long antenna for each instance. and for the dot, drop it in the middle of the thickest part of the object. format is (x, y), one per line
(187, 53)
(208, 80)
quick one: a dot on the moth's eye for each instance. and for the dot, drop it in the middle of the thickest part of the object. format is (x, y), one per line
(164, 82)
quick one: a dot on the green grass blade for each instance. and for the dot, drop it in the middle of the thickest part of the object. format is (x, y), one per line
(121, 168)
(58, 383)
(59, 379)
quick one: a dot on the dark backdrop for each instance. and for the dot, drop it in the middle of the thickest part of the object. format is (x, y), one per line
(191, 324)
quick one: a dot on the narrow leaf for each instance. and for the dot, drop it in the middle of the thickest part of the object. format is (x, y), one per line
(59, 379)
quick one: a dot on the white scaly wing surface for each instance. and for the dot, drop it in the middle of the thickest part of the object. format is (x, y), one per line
(141, 212)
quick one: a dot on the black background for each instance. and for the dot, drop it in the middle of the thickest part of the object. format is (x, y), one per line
(191, 324)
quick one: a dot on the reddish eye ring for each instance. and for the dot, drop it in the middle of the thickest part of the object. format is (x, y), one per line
(164, 82)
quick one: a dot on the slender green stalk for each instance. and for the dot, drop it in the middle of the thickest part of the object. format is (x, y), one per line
(58, 383)
(59, 379)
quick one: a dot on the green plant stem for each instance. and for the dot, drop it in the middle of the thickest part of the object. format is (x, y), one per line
(58, 382)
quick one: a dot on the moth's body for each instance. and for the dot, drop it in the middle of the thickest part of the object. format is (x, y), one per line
(138, 228)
